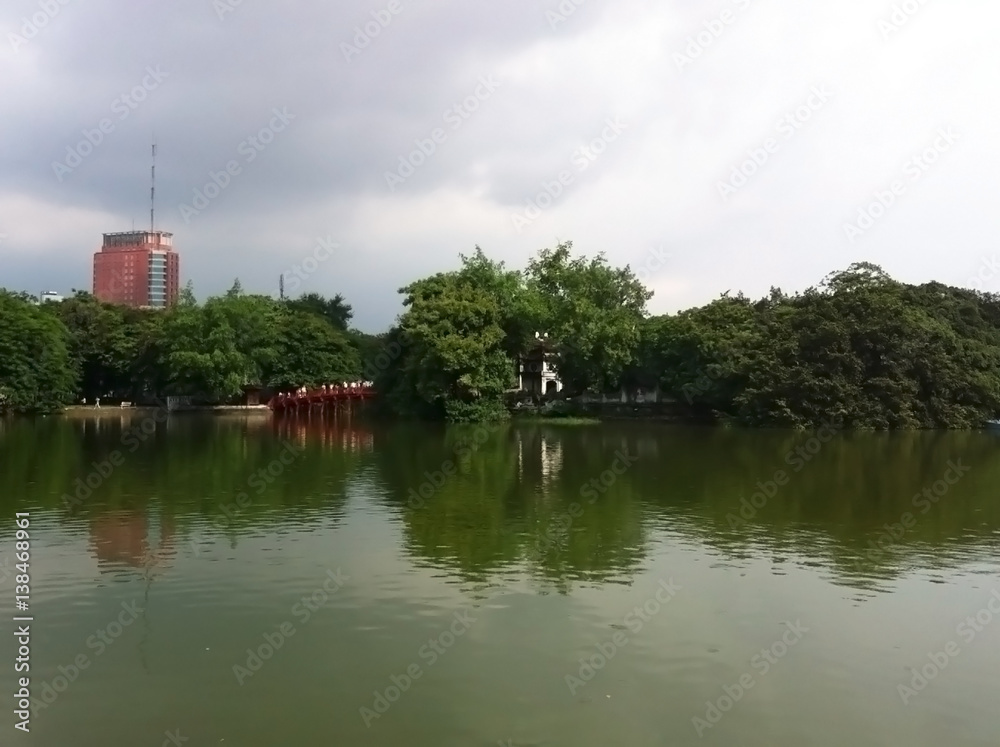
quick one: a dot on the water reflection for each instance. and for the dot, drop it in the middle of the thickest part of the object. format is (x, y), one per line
(133, 539)
(329, 430)
(557, 501)
(541, 455)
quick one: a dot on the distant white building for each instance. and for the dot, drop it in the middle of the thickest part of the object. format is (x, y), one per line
(50, 297)
(536, 370)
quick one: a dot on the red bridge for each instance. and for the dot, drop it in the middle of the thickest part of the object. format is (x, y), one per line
(305, 399)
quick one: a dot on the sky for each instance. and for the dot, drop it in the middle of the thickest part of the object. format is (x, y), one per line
(731, 145)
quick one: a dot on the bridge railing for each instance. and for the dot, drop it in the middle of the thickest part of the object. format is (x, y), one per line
(319, 396)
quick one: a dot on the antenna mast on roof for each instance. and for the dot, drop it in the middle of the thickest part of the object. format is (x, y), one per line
(152, 191)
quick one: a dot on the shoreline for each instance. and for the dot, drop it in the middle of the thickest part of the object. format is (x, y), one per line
(79, 411)
(578, 417)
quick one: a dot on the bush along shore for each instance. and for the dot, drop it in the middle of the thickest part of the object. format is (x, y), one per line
(860, 348)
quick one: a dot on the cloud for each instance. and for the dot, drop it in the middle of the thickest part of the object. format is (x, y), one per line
(656, 185)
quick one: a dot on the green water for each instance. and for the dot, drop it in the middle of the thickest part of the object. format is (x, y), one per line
(588, 585)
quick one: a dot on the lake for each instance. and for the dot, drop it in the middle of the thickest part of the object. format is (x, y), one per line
(330, 581)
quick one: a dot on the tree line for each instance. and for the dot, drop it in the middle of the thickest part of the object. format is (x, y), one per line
(860, 349)
(81, 349)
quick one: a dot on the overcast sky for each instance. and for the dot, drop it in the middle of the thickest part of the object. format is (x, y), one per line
(636, 115)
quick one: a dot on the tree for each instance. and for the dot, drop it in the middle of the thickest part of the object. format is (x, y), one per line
(186, 296)
(102, 349)
(521, 308)
(593, 312)
(862, 349)
(463, 331)
(217, 349)
(454, 365)
(700, 356)
(335, 311)
(36, 371)
(200, 355)
(312, 353)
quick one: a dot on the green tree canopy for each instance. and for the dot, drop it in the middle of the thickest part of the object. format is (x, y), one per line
(36, 369)
(592, 311)
(335, 311)
(455, 364)
(863, 348)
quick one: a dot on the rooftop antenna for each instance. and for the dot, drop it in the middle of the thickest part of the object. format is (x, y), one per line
(152, 191)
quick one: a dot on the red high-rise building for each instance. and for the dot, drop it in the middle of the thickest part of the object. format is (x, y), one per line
(137, 268)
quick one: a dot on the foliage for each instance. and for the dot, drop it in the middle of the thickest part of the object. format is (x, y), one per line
(312, 352)
(863, 350)
(240, 340)
(455, 363)
(463, 331)
(83, 348)
(36, 372)
(593, 312)
(201, 356)
(110, 346)
(335, 311)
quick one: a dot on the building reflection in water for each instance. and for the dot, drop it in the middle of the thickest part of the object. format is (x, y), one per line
(117, 420)
(539, 459)
(338, 428)
(136, 539)
(552, 462)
